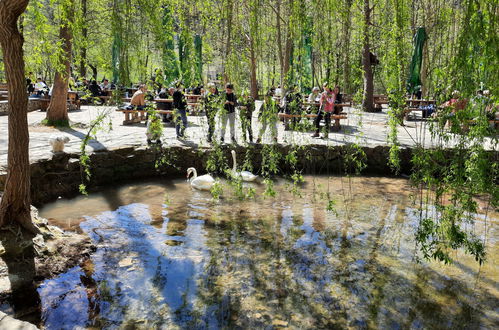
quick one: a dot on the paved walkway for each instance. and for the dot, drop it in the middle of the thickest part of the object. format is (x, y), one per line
(367, 129)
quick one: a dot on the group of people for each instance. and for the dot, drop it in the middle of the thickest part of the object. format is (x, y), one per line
(224, 105)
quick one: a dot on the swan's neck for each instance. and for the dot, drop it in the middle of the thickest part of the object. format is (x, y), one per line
(234, 164)
(194, 173)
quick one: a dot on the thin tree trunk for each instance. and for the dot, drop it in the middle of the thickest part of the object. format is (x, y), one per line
(287, 55)
(84, 33)
(346, 35)
(58, 109)
(367, 101)
(279, 41)
(228, 40)
(94, 71)
(15, 204)
(253, 81)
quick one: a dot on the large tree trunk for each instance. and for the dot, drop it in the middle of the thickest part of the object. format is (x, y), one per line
(58, 109)
(367, 101)
(288, 50)
(15, 204)
(84, 34)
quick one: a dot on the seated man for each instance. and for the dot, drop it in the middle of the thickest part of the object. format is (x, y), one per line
(138, 101)
(338, 100)
(105, 86)
(40, 87)
(95, 91)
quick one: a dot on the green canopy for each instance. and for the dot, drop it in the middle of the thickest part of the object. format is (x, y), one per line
(414, 80)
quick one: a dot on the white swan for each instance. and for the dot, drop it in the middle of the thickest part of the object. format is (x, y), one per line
(203, 182)
(244, 175)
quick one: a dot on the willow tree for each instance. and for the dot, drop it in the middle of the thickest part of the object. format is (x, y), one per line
(368, 92)
(57, 112)
(251, 33)
(15, 205)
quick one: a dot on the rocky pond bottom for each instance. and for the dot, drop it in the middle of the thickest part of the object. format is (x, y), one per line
(171, 257)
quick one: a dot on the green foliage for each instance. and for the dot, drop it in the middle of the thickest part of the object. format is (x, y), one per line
(96, 125)
(55, 123)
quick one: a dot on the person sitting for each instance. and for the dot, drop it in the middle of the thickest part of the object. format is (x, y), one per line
(105, 86)
(163, 93)
(197, 90)
(338, 100)
(452, 106)
(85, 84)
(314, 98)
(95, 91)
(29, 84)
(138, 101)
(278, 92)
(40, 87)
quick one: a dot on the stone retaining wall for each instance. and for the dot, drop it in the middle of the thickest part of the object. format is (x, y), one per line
(33, 105)
(60, 175)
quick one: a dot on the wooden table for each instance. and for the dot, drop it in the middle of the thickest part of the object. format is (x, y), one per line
(137, 116)
(415, 105)
(285, 117)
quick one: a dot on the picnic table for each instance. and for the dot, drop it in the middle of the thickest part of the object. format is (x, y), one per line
(286, 117)
(417, 105)
(137, 116)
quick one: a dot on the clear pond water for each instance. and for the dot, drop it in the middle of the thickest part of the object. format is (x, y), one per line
(171, 257)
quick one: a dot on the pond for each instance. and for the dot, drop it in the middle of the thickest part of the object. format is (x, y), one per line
(171, 257)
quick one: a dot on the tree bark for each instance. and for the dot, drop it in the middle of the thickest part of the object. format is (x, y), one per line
(84, 34)
(253, 81)
(94, 71)
(15, 206)
(58, 109)
(346, 36)
(279, 40)
(230, 11)
(367, 101)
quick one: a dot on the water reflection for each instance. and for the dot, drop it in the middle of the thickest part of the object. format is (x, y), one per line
(185, 261)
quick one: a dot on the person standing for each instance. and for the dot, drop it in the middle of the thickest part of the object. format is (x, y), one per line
(210, 107)
(180, 106)
(247, 106)
(326, 107)
(268, 117)
(229, 113)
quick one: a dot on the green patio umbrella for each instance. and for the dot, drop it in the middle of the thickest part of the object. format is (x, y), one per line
(414, 79)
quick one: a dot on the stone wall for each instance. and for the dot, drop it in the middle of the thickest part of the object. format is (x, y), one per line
(33, 105)
(60, 175)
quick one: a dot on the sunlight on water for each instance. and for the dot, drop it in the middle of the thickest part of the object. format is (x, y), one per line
(170, 257)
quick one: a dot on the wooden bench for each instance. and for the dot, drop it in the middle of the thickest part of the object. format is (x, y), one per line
(336, 118)
(137, 116)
